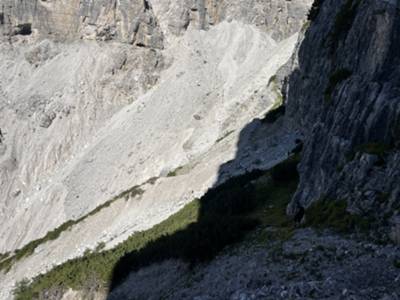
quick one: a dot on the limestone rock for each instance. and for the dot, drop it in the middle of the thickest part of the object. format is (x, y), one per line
(312, 266)
(101, 96)
(343, 94)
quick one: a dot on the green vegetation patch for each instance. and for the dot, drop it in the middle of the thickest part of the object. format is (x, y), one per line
(23, 29)
(374, 148)
(4, 255)
(225, 136)
(74, 273)
(197, 233)
(276, 88)
(278, 109)
(333, 214)
(273, 80)
(29, 248)
(175, 172)
(335, 79)
(396, 263)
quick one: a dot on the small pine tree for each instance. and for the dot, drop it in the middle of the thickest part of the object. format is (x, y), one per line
(21, 287)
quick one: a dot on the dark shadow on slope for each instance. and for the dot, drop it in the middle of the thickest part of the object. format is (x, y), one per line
(230, 209)
(226, 213)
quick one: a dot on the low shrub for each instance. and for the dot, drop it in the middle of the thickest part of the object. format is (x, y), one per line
(21, 286)
(4, 255)
(224, 136)
(175, 172)
(373, 148)
(396, 263)
(333, 214)
(23, 29)
(29, 248)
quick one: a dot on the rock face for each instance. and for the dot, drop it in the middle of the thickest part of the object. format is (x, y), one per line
(146, 22)
(125, 21)
(344, 94)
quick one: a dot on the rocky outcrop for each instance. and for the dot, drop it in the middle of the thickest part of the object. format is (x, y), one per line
(145, 22)
(280, 19)
(344, 95)
(131, 21)
(309, 265)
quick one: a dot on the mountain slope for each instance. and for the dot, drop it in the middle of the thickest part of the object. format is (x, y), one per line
(87, 118)
(158, 103)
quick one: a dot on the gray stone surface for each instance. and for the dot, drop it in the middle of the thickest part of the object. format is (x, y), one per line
(129, 21)
(146, 23)
(362, 109)
(309, 265)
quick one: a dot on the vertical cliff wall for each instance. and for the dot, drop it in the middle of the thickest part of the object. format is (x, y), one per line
(344, 95)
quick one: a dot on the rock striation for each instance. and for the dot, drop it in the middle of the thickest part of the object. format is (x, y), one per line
(146, 22)
(130, 22)
(344, 95)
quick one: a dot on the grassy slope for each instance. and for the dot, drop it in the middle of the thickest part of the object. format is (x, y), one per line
(196, 233)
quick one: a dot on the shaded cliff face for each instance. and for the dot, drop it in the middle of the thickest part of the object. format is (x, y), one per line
(345, 96)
